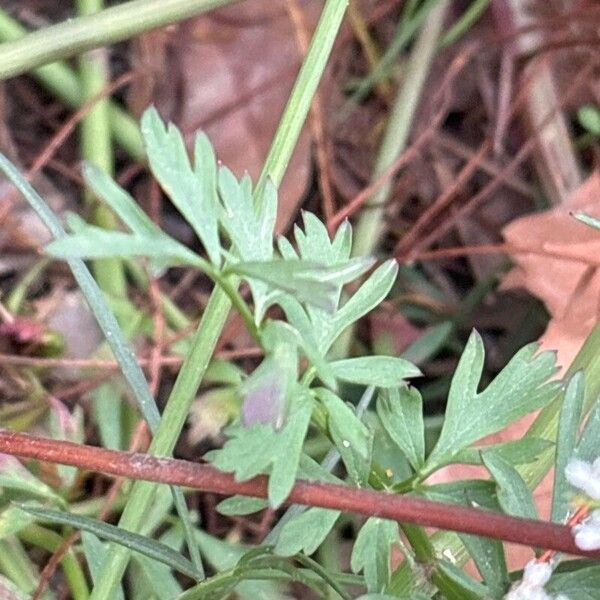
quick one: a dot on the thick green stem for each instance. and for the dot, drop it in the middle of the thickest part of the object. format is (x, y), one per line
(213, 320)
(74, 36)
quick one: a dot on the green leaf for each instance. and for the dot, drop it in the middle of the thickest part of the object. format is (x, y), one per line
(490, 561)
(95, 552)
(513, 494)
(15, 477)
(458, 585)
(370, 294)
(350, 435)
(225, 555)
(259, 449)
(192, 191)
(313, 283)
(587, 447)
(306, 532)
(379, 371)
(520, 388)
(250, 233)
(467, 492)
(429, 343)
(566, 440)
(94, 242)
(401, 414)
(155, 578)
(517, 452)
(589, 118)
(372, 552)
(120, 201)
(580, 583)
(133, 541)
(12, 520)
(241, 505)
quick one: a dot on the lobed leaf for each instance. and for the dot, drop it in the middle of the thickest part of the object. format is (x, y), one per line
(520, 388)
(192, 190)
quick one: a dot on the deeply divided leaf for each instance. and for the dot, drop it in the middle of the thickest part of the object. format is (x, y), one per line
(520, 388)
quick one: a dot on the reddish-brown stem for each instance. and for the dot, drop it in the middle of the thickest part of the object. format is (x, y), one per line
(365, 502)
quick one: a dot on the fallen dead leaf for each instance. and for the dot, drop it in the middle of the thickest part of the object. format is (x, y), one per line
(569, 289)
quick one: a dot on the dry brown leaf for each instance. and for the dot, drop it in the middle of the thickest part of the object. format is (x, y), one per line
(570, 289)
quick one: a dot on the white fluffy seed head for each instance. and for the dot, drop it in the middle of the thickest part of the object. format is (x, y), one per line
(537, 574)
(587, 533)
(585, 476)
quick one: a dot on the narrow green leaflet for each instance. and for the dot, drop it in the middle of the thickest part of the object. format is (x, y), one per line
(520, 388)
(400, 411)
(587, 447)
(372, 551)
(15, 477)
(120, 201)
(12, 520)
(513, 494)
(95, 551)
(350, 435)
(259, 449)
(458, 585)
(370, 294)
(133, 541)
(224, 556)
(306, 532)
(156, 578)
(566, 440)
(192, 190)
(94, 242)
(250, 233)
(490, 561)
(516, 452)
(379, 371)
(580, 583)
(241, 505)
(311, 282)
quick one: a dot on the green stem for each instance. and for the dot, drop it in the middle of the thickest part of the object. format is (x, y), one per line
(367, 234)
(62, 82)
(51, 541)
(213, 320)
(16, 565)
(96, 147)
(74, 36)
